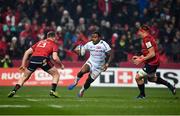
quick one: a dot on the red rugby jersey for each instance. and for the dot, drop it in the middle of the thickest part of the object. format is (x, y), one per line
(148, 42)
(44, 48)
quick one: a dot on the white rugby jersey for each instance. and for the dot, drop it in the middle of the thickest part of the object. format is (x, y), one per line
(97, 52)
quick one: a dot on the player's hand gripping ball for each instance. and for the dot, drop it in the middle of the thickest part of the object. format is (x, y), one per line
(133, 58)
(137, 60)
(82, 50)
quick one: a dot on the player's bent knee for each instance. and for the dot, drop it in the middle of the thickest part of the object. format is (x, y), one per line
(141, 73)
(56, 74)
(137, 78)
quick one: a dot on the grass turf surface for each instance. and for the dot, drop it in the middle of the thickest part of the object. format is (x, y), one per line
(36, 100)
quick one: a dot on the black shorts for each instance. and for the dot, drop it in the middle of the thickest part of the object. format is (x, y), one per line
(150, 69)
(39, 62)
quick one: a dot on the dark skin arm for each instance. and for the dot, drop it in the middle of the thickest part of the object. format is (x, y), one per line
(109, 57)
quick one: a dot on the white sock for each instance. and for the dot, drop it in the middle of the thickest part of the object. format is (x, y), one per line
(82, 89)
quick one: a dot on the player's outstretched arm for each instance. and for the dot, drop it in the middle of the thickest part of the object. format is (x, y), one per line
(25, 57)
(57, 59)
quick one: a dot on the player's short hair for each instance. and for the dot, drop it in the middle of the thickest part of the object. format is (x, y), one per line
(145, 28)
(51, 34)
(98, 33)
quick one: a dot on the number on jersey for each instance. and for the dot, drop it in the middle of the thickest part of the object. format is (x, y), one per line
(41, 44)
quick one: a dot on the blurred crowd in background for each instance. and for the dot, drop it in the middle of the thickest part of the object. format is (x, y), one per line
(24, 22)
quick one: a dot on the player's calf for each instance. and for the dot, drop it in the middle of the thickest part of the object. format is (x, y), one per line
(13, 92)
(86, 86)
(141, 86)
(164, 82)
(88, 82)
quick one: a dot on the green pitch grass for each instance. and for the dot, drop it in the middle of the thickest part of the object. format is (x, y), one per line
(36, 100)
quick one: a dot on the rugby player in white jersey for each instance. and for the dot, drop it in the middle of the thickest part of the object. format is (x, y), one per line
(99, 60)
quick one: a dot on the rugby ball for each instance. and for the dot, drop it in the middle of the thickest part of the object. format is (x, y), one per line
(82, 50)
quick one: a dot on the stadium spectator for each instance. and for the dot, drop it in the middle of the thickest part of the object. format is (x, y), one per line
(105, 7)
(25, 34)
(175, 49)
(9, 17)
(81, 27)
(67, 22)
(167, 47)
(108, 16)
(14, 50)
(121, 48)
(35, 28)
(78, 14)
(3, 46)
(6, 62)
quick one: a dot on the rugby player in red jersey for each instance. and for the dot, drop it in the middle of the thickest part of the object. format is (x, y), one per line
(150, 57)
(40, 53)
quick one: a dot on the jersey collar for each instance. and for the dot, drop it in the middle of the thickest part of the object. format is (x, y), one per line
(97, 43)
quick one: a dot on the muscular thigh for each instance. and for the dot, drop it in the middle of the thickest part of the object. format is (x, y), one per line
(27, 73)
(150, 69)
(95, 70)
(39, 62)
(95, 73)
(46, 65)
(151, 72)
(53, 71)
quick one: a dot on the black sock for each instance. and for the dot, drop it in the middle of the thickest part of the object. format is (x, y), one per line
(141, 88)
(88, 82)
(17, 86)
(162, 81)
(54, 85)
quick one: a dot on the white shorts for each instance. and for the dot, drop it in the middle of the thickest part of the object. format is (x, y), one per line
(95, 70)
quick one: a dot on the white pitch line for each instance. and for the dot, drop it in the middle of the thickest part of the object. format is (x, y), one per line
(15, 106)
(55, 106)
(138, 107)
(70, 106)
(33, 100)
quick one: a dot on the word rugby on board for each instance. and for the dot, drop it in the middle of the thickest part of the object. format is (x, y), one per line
(113, 77)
